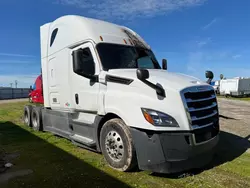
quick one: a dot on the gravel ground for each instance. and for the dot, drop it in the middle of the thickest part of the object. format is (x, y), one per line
(12, 100)
(235, 119)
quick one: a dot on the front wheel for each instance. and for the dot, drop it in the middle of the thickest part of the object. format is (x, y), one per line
(117, 147)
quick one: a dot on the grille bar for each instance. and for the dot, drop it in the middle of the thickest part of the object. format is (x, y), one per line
(192, 109)
(199, 100)
(202, 126)
(194, 118)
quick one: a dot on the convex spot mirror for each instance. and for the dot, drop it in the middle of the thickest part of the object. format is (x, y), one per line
(142, 74)
(209, 74)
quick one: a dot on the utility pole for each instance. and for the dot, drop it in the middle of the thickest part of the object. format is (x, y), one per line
(16, 83)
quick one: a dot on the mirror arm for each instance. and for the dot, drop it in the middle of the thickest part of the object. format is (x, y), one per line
(93, 78)
(159, 90)
(209, 81)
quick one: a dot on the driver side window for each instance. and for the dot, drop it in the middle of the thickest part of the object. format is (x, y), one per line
(85, 63)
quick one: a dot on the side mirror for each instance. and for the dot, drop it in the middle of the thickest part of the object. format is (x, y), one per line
(83, 63)
(164, 64)
(210, 76)
(142, 74)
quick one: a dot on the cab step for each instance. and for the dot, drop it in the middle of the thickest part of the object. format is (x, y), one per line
(83, 140)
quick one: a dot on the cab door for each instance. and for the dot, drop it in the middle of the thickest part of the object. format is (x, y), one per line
(85, 90)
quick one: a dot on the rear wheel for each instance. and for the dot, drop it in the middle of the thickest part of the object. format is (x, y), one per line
(36, 119)
(117, 147)
(27, 115)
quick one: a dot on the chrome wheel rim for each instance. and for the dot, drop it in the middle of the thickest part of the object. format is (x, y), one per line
(26, 118)
(34, 120)
(114, 146)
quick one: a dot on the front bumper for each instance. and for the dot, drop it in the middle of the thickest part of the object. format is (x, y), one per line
(172, 152)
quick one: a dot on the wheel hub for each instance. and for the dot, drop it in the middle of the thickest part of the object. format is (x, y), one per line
(34, 121)
(114, 146)
(26, 119)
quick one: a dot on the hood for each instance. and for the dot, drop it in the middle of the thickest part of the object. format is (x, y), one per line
(176, 81)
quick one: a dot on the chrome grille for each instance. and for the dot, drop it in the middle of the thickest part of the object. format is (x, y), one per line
(201, 106)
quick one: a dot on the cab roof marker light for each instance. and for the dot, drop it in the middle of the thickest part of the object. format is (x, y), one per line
(125, 41)
(101, 38)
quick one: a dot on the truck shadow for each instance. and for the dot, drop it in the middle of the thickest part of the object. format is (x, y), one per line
(226, 117)
(51, 166)
(230, 147)
(66, 170)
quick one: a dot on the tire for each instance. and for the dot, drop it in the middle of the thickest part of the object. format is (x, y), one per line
(27, 115)
(116, 145)
(36, 118)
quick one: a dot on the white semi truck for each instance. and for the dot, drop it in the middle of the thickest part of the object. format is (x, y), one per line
(104, 89)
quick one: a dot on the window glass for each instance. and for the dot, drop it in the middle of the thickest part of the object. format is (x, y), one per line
(145, 62)
(53, 36)
(115, 56)
(87, 62)
(34, 86)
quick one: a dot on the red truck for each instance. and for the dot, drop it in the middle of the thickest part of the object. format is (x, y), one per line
(36, 91)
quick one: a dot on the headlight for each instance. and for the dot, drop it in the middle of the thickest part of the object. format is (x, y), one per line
(158, 118)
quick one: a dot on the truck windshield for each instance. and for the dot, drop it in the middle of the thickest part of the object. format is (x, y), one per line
(34, 86)
(115, 56)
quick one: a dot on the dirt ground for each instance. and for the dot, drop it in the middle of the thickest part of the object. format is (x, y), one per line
(235, 118)
(34, 155)
(13, 100)
(235, 115)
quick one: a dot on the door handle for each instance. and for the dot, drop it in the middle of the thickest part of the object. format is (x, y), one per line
(77, 98)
